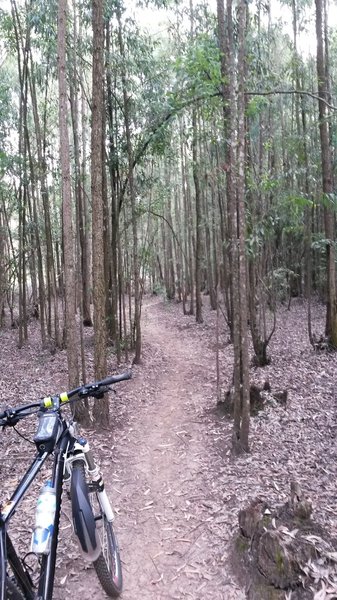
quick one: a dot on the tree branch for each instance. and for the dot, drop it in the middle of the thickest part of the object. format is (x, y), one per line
(300, 92)
(155, 214)
(177, 109)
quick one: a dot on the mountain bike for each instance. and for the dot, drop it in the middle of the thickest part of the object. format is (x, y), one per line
(73, 468)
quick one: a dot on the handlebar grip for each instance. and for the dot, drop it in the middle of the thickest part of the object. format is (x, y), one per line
(11, 416)
(115, 378)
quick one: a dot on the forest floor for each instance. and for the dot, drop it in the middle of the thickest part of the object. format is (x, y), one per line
(167, 461)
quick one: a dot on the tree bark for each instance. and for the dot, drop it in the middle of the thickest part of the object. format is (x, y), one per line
(101, 407)
(329, 218)
(127, 123)
(68, 234)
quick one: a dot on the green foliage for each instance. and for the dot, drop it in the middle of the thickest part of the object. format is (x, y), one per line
(7, 34)
(320, 243)
(42, 19)
(197, 72)
(329, 201)
(256, 105)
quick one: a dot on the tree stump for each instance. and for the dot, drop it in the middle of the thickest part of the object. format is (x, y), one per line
(277, 561)
(259, 398)
(285, 550)
(249, 518)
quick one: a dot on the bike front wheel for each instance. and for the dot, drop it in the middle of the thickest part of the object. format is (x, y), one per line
(108, 565)
(12, 591)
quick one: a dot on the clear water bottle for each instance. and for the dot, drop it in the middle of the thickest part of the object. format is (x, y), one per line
(44, 520)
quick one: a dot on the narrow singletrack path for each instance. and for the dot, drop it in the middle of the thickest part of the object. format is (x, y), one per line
(166, 507)
(171, 521)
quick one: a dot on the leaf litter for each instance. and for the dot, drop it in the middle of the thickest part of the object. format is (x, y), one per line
(169, 452)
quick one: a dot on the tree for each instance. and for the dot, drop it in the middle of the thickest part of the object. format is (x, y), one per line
(130, 159)
(101, 408)
(327, 178)
(235, 198)
(68, 234)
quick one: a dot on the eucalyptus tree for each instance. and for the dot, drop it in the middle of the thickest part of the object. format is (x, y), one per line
(262, 184)
(22, 40)
(236, 209)
(101, 410)
(8, 160)
(197, 198)
(67, 221)
(323, 76)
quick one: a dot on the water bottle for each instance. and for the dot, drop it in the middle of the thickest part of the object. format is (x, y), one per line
(44, 520)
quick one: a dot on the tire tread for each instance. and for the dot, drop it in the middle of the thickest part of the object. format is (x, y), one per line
(104, 576)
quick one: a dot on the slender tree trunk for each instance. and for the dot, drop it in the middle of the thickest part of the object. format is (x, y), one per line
(226, 50)
(3, 278)
(198, 223)
(235, 191)
(101, 407)
(329, 218)
(42, 177)
(127, 123)
(114, 203)
(85, 225)
(68, 234)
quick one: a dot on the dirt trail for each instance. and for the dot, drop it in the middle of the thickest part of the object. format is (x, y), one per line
(166, 457)
(165, 508)
(170, 520)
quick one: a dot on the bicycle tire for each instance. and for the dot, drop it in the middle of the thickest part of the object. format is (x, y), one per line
(18, 582)
(12, 591)
(108, 565)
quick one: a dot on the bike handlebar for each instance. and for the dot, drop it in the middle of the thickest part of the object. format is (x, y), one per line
(86, 390)
(11, 416)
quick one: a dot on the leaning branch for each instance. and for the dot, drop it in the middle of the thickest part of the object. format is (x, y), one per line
(196, 99)
(154, 130)
(300, 92)
(177, 109)
(154, 214)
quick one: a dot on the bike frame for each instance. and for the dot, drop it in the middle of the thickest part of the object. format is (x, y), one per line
(56, 435)
(47, 568)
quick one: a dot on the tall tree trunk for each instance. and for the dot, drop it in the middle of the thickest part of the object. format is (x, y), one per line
(235, 192)
(329, 218)
(101, 407)
(42, 176)
(3, 278)
(226, 50)
(68, 234)
(80, 409)
(85, 237)
(198, 200)
(198, 220)
(22, 45)
(127, 123)
(112, 155)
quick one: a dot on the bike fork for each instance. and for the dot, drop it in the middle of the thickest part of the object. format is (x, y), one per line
(95, 477)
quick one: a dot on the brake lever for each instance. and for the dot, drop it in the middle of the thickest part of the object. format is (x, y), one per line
(95, 391)
(13, 416)
(11, 419)
(99, 393)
